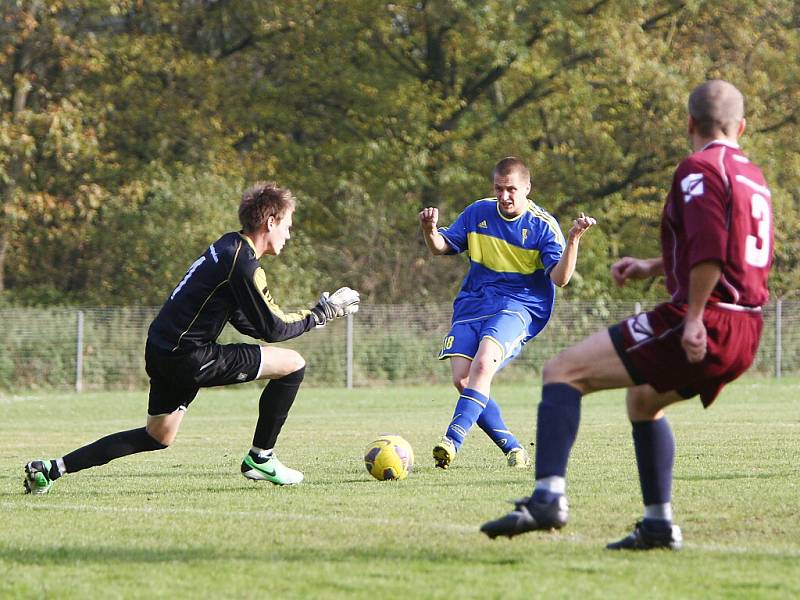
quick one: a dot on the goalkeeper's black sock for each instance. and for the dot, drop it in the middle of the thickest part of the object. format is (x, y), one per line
(273, 407)
(110, 447)
(260, 455)
(54, 472)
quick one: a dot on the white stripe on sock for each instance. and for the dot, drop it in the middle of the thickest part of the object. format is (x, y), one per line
(658, 511)
(553, 484)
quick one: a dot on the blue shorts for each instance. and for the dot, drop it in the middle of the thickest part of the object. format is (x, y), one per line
(510, 330)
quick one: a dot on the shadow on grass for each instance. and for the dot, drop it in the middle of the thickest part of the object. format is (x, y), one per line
(60, 555)
(731, 476)
(417, 482)
(72, 555)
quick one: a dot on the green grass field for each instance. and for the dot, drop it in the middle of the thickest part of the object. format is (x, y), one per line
(183, 523)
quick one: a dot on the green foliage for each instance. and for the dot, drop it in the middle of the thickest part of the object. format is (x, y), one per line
(111, 111)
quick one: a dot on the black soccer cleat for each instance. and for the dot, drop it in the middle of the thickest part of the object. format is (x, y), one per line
(648, 538)
(529, 516)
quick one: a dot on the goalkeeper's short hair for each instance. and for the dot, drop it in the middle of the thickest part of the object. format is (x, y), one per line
(262, 201)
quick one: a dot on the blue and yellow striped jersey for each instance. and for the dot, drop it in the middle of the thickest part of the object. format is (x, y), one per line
(510, 260)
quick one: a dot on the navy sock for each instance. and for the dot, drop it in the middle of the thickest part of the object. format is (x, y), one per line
(469, 407)
(660, 526)
(556, 428)
(491, 422)
(655, 455)
(544, 496)
(273, 407)
(110, 447)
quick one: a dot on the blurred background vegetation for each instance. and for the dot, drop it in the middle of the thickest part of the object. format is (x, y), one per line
(130, 128)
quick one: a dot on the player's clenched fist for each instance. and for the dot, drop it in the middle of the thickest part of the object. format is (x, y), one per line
(633, 268)
(625, 268)
(694, 340)
(428, 218)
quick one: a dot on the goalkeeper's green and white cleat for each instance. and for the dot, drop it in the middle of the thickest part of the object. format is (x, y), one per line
(518, 458)
(271, 470)
(37, 477)
(444, 453)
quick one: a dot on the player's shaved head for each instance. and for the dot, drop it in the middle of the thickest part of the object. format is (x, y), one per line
(509, 165)
(716, 106)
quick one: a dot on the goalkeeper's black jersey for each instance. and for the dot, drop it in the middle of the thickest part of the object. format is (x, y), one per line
(226, 284)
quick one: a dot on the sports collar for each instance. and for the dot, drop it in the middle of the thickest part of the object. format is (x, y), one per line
(510, 219)
(723, 142)
(247, 239)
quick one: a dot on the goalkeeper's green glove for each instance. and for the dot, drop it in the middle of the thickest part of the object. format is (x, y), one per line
(343, 301)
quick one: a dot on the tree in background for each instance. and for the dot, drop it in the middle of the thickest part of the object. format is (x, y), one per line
(125, 119)
(48, 142)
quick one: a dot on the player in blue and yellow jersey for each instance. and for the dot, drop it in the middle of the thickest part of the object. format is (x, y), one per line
(517, 254)
(226, 284)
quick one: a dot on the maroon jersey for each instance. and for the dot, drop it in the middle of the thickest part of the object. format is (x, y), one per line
(719, 208)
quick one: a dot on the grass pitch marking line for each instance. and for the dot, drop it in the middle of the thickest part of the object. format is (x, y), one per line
(10, 399)
(570, 539)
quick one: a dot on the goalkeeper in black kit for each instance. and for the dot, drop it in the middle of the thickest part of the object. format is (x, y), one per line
(225, 284)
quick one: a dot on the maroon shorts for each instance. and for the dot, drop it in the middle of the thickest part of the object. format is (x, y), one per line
(649, 345)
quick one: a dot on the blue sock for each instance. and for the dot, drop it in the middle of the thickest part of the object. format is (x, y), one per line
(468, 408)
(491, 421)
(655, 456)
(556, 428)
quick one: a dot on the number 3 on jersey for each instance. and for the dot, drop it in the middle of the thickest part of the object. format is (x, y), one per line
(756, 251)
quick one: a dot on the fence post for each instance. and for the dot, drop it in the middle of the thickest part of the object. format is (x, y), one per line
(79, 354)
(637, 308)
(778, 342)
(349, 351)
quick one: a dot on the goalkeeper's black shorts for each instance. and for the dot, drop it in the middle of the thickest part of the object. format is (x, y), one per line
(176, 377)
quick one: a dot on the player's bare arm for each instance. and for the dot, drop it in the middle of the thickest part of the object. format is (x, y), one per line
(428, 219)
(702, 280)
(636, 268)
(562, 272)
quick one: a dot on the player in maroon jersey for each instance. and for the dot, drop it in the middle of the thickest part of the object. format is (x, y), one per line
(717, 242)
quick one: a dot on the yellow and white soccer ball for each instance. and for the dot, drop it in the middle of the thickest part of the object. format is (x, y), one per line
(389, 457)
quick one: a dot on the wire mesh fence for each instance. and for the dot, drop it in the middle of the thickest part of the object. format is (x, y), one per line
(103, 348)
